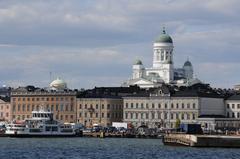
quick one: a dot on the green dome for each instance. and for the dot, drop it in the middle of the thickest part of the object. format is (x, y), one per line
(164, 38)
(138, 62)
(187, 63)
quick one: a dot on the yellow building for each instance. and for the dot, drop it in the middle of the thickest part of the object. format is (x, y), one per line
(57, 98)
(101, 111)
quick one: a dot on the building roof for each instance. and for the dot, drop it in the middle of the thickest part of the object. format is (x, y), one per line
(138, 62)
(187, 63)
(164, 38)
(234, 97)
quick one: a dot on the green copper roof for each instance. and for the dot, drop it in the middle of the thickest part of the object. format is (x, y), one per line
(187, 63)
(138, 62)
(164, 38)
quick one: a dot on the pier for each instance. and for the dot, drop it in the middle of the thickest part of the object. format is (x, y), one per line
(202, 140)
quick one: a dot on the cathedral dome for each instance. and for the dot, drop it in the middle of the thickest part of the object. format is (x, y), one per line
(164, 38)
(58, 84)
(188, 63)
(138, 62)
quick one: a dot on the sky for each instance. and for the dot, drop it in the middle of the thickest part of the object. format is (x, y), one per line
(92, 43)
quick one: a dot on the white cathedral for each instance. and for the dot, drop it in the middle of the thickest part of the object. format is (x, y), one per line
(162, 70)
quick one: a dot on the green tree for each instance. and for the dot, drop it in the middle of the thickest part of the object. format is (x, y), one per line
(177, 124)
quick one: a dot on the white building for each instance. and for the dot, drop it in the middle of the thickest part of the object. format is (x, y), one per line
(163, 109)
(162, 70)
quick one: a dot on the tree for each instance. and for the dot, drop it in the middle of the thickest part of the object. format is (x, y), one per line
(177, 124)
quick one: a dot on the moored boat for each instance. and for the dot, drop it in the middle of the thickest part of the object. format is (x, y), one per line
(41, 124)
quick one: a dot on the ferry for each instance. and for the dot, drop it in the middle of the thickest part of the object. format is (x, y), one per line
(41, 124)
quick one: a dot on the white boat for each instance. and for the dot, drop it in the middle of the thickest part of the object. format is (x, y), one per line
(41, 124)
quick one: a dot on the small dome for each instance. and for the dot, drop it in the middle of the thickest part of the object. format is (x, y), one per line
(164, 38)
(187, 63)
(138, 62)
(58, 84)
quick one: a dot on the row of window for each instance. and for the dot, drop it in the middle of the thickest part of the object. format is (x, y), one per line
(2, 106)
(32, 107)
(160, 115)
(96, 115)
(61, 117)
(233, 106)
(160, 105)
(42, 99)
(233, 114)
(86, 106)
(2, 114)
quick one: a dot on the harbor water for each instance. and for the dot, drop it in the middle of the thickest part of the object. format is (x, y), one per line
(107, 148)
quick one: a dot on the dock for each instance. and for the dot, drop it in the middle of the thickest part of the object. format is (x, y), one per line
(202, 140)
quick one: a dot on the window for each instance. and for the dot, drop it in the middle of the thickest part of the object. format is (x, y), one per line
(80, 115)
(96, 115)
(141, 105)
(61, 107)
(131, 105)
(194, 105)
(136, 105)
(136, 115)
(85, 106)
(153, 115)
(66, 107)
(102, 115)
(80, 106)
(126, 115)
(233, 106)
(182, 116)
(33, 107)
(71, 109)
(23, 107)
(147, 105)
(228, 106)
(96, 106)
(188, 105)
(165, 116)
(146, 115)
(182, 105)
(177, 105)
(159, 106)
(172, 105)
(171, 115)
(166, 106)
(85, 115)
(108, 115)
(153, 106)
(141, 115)
(56, 107)
(18, 107)
(102, 106)
(177, 116)
(131, 114)
(238, 106)
(126, 105)
(193, 116)
(108, 106)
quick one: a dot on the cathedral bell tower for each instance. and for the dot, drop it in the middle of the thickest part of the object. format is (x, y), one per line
(163, 57)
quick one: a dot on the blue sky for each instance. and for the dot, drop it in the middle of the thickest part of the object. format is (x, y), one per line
(94, 43)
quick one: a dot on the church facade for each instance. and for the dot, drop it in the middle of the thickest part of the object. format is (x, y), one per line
(162, 70)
